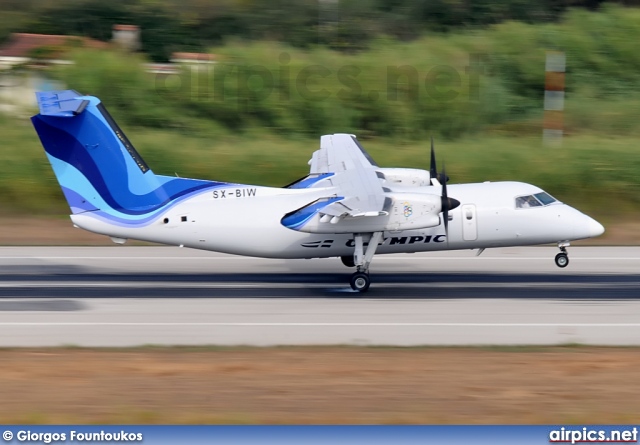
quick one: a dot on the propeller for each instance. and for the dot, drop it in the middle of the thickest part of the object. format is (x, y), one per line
(447, 204)
(442, 178)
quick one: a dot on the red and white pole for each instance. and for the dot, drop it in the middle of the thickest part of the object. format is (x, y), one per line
(553, 126)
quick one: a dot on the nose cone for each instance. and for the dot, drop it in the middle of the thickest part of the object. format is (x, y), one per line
(595, 228)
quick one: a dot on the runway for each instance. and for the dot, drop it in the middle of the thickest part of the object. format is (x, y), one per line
(129, 296)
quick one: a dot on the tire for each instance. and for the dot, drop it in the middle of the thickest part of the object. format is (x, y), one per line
(562, 260)
(360, 282)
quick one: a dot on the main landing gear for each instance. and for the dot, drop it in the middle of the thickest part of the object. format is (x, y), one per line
(562, 259)
(360, 281)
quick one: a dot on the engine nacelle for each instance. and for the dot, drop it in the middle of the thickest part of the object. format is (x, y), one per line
(408, 177)
(411, 211)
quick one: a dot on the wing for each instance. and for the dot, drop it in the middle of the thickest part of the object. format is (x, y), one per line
(346, 166)
(339, 152)
(354, 176)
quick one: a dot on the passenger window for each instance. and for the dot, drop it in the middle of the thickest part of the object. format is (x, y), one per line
(523, 202)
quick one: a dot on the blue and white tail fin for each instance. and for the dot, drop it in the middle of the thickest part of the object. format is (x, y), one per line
(96, 165)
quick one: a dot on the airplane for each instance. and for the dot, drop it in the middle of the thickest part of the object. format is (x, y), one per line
(346, 207)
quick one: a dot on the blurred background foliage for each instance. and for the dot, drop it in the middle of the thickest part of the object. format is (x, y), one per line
(288, 71)
(348, 25)
(448, 84)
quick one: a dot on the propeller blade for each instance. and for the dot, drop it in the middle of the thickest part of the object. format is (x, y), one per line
(447, 204)
(433, 170)
(446, 223)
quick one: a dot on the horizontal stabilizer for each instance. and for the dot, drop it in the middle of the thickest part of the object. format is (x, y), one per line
(66, 103)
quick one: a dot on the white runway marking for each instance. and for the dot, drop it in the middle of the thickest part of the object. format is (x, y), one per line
(327, 324)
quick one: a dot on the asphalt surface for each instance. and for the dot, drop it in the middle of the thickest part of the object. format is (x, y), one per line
(127, 296)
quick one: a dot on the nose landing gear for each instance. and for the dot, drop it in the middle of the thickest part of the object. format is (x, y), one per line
(562, 259)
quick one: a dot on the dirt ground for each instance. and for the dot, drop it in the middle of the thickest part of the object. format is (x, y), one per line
(321, 385)
(24, 231)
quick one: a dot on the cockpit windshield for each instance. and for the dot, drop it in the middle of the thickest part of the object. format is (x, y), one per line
(545, 198)
(538, 200)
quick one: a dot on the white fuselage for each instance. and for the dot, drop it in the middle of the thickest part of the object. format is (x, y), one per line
(246, 220)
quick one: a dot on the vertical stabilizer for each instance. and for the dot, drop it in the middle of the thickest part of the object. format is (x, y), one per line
(97, 166)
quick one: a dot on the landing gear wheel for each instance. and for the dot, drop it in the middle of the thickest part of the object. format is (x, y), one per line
(360, 281)
(348, 261)
(562, 259)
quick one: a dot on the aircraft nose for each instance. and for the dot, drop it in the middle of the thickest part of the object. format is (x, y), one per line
(595, 228)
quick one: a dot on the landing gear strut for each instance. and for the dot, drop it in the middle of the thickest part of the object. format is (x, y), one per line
(562, 259)
(362, 259)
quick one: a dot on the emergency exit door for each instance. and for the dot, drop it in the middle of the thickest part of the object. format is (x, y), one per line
(469, 223)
